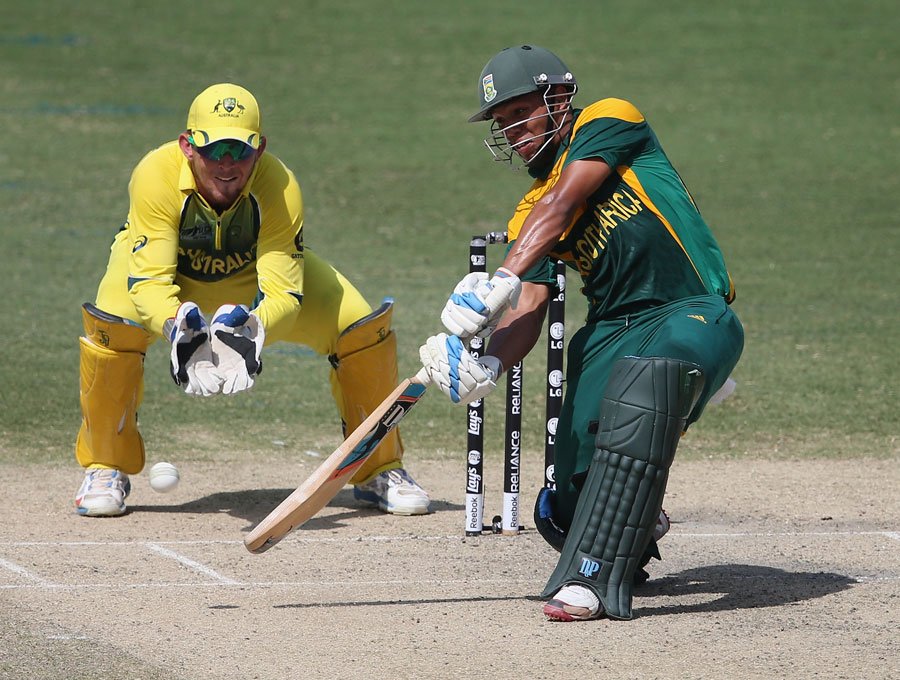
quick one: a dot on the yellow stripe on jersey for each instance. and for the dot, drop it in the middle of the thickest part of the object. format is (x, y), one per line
(608, 108)
(605, 108)
(628, 176)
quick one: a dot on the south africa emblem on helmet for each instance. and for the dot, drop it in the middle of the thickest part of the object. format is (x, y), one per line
(487, 84)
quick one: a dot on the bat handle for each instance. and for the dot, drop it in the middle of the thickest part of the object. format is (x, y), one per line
(422, 377)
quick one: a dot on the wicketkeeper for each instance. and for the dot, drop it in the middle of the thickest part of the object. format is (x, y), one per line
(659, 340)
(211, 260)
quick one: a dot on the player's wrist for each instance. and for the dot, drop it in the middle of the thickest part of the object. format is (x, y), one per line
(170, 325)
(492, 364)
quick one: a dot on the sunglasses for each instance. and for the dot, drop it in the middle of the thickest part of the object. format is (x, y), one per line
(217, 150)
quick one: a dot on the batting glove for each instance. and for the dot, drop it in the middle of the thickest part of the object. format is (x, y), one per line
(237, 342)
(455, 371)
(476, 305)
(191, 360)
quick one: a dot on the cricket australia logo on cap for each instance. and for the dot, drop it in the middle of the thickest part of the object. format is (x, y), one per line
(229, 104)
(487, 84)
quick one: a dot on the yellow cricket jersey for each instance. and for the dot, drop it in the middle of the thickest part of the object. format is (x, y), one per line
(182, 250)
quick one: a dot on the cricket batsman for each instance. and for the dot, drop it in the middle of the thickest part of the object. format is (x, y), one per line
(660, 337)
(211, 259)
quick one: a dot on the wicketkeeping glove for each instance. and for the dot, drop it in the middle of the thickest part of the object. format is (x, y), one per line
(455, 371)
(191, 359)
(237, 342)
(476, 305)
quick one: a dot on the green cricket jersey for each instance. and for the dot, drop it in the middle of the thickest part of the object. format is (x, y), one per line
(639, 241)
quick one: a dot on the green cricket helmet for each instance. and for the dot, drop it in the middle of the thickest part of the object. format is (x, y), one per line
(515, 71)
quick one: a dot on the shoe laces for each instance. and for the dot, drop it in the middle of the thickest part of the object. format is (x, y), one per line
(399, 477)
(105, 478)
(400, 480)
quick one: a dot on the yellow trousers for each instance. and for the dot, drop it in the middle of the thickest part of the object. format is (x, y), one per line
(331, 305)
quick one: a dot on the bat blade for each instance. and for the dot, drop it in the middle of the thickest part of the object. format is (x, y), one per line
(331, 476)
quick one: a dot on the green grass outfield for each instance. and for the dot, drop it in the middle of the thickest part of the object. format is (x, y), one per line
(781, 117)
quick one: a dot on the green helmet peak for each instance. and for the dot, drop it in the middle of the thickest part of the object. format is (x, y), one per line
(515, 71)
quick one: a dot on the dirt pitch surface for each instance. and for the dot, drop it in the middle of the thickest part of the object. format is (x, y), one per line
(771, 570)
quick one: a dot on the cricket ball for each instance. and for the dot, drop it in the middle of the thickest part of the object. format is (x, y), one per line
(163, 477)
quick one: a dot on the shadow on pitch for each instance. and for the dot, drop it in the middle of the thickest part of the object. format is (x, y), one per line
(253, 505)
(394, 603)
(733, 587)
(736, 586)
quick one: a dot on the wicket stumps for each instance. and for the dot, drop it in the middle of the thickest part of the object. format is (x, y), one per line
(508, 522)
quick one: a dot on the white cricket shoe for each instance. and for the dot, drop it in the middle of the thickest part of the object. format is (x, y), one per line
(393, 491)
(102, 493)
(573, 603)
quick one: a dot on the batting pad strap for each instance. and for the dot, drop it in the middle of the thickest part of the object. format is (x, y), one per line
(642, 416)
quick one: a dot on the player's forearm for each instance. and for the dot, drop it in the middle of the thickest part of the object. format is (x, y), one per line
(278, 313)
(155, 303)
(280, 278)
(519, 329)
(543, 229)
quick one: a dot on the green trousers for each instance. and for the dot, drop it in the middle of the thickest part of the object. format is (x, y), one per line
(702, 330)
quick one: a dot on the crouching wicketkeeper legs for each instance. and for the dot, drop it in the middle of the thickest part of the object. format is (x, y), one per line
(364, 372)
(112, 385)
(642, 416)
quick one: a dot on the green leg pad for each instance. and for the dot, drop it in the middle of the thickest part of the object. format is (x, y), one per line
(642, 417)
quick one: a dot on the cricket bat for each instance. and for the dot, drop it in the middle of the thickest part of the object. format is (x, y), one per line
(331, 476)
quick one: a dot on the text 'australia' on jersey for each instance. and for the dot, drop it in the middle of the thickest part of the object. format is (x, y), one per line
(639, 241)
(213, 247)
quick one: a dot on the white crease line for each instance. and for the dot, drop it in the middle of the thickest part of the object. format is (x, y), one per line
(191, 564)
(794, 534)
(529, 534)
(350, 585)
(24, 573)
(292, 539)
(270, 584)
